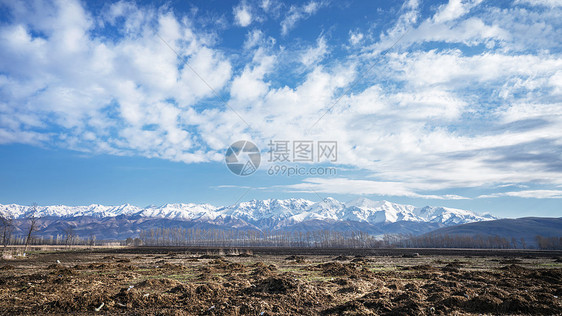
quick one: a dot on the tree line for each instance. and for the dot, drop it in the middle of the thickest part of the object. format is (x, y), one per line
(328, 239)
(7, 237)
(254, 238)
(7, 228)
(480, 242)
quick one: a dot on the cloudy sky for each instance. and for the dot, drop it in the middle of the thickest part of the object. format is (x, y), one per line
(453, 103)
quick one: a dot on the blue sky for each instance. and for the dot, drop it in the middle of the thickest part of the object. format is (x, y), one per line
(452, 103)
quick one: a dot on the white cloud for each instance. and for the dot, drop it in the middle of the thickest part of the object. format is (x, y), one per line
(472, 31)
(265, 5)
(528, 194)
(253, 39)
(103, 95)
(242, 15)
(250, 85)
(355, 38)
(360, 187)
(455, 70)
(297, 13)
(424, 118)
(545, 3)
(454, 9)
(257, 39)
(315, 54)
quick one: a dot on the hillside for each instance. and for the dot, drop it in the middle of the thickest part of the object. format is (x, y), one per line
(527, 228)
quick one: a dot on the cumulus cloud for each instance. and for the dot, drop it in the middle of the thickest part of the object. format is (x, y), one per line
(355, 38)
(315, 54)
(454, 9)
(106, 96)
(242, 15)
(250, 85)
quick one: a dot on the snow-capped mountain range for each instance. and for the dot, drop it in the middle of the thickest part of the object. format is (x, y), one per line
(270, 214)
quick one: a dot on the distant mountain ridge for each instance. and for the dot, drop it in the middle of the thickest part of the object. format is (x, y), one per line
(526, 228)
(374, 217)
(296, 210)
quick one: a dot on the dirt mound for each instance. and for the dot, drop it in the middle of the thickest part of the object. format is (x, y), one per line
(296, 259)
(453, 301)
(513, 268)
(134, 299)
(276, 285)
(259, 264)
(485, 303)
(448, 293)
(381, 302)
(553, 276)
(210, 290)
(55, 266)
(64, 271)
(263, 270)
(454, 266)
(164, 283)
(341, 258)
(182, 289)
(359, 287)
(339, 269)
(224, 266)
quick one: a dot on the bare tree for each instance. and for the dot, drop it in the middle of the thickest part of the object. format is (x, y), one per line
(32, 218)
(69, 232)
(92, 240)
(7, 227)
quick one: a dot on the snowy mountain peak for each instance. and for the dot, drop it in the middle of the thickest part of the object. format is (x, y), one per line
(366, 203)
(329, 204)
(266, 213)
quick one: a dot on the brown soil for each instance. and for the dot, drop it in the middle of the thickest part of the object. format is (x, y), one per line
(182, 283)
